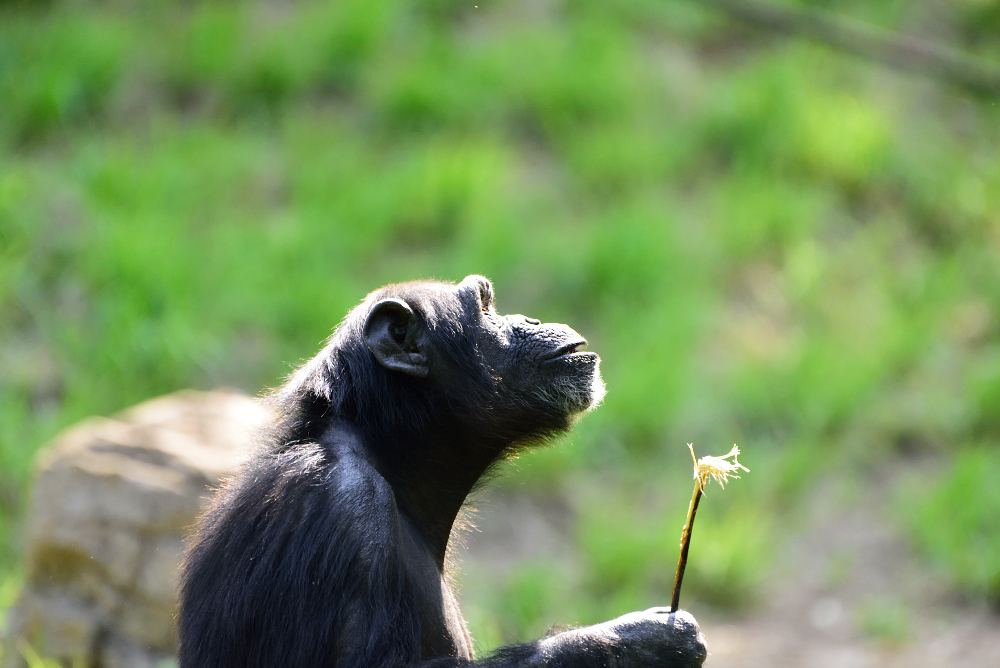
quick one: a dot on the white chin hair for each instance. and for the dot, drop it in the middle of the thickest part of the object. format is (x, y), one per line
(597, 390)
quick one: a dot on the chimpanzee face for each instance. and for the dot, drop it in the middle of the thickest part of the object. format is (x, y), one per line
(448, 334)
(544, 361)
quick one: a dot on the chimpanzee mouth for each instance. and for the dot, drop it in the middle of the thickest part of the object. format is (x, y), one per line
(571, 349)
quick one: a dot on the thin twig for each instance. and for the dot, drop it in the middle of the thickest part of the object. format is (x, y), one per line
(902, 51)
(685, 544)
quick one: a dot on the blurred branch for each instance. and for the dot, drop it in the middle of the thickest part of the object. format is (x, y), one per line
(902, 51)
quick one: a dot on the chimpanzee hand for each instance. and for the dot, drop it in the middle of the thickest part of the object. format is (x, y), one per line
(654, 637)
(658, 637)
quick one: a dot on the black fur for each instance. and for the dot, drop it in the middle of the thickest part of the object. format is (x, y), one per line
(328, 547)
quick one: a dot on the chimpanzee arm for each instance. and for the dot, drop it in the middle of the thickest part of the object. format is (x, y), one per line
(392, 634)
(390, 627)
(655, 637)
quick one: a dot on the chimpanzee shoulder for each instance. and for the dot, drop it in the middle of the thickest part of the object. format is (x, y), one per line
(315, 527)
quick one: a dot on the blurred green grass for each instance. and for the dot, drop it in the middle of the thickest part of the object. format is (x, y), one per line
(768, 242)
(954, 520)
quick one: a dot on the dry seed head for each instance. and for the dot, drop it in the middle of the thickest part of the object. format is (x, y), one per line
(716, 467)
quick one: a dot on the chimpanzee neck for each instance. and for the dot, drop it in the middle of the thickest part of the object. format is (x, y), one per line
(431, 479)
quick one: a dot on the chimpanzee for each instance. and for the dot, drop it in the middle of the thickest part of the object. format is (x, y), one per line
(328, 547)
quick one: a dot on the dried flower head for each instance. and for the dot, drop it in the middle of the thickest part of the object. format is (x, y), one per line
(716, 467)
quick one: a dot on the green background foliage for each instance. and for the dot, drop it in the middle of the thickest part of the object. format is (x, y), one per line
(769, 243)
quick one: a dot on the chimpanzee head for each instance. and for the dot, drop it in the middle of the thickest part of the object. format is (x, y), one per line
(427, 356)
(448, 335)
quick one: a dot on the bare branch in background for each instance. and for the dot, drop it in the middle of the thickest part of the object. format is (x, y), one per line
(902, 51)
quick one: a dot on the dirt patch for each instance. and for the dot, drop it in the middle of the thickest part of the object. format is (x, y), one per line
(847, 592)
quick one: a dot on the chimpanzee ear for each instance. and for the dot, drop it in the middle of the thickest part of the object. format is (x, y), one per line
(391, 334)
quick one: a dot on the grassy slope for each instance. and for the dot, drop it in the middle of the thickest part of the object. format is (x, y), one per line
(769, 243)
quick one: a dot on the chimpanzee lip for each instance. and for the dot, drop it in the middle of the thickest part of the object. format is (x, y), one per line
(570, 349)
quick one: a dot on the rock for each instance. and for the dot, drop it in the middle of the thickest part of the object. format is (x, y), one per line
(112, 502)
